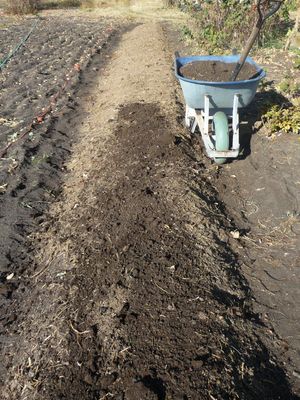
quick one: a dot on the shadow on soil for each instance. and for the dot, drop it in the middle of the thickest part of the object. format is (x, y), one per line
(251, 117)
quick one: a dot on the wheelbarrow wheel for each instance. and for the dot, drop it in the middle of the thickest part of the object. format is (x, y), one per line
(222, 135)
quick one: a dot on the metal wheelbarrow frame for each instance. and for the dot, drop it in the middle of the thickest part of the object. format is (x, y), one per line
(214, 106)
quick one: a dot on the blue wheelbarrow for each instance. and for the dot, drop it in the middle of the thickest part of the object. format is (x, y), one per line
(214, 106)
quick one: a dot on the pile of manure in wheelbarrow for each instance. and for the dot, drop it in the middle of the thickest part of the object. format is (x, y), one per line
(215, 71)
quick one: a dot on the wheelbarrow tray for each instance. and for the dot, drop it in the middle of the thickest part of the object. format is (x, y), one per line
(221, 94)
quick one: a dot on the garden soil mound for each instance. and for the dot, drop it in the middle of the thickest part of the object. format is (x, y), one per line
(124, 282)
(213, 71)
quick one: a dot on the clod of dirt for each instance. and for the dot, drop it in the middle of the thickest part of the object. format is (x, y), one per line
(213, 71)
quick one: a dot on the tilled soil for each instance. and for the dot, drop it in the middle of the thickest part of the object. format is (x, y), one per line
(213, 71)
(128, 286)
(40, 77)
(42, 72)
(147, 306)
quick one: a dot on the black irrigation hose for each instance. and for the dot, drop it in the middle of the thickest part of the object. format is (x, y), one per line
(14, 51)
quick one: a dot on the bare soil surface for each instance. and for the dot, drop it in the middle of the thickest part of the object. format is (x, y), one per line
(213, 71)
(36, 88)
(262, 191)
(121, 278)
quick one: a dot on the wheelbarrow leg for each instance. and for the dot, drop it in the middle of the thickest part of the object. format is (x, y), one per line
(235, 124)
(190, 119)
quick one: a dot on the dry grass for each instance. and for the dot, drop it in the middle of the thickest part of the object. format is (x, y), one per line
(136, 9)
(277, 236)
(142, 10)
(22, 6)
(88, 3)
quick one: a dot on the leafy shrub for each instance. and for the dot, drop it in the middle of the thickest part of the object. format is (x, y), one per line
(289, 87)
(285, 120)
(226, 24)
(22, 6)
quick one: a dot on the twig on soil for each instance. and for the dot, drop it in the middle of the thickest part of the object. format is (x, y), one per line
(199, 334)
(105, 396)
(248, 203)
(195, 299)
(162, 288)
(254, 243)
(47, 338)
(123, 351)
(40, 271)
(236, 350)
(78, 332)
(274, 236)
(112, 246)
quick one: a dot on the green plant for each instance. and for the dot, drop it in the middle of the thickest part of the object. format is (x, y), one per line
(265, 85)
(289, 87)
(282, 119)
(297, 63)
(297, 58)
(186, 32)
(22, 6)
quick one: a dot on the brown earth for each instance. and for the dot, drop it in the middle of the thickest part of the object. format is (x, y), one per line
(213, 71)
(262, 192)
(42, 69)
(127, 282)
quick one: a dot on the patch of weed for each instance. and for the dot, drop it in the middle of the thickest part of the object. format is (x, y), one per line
(283, 119)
